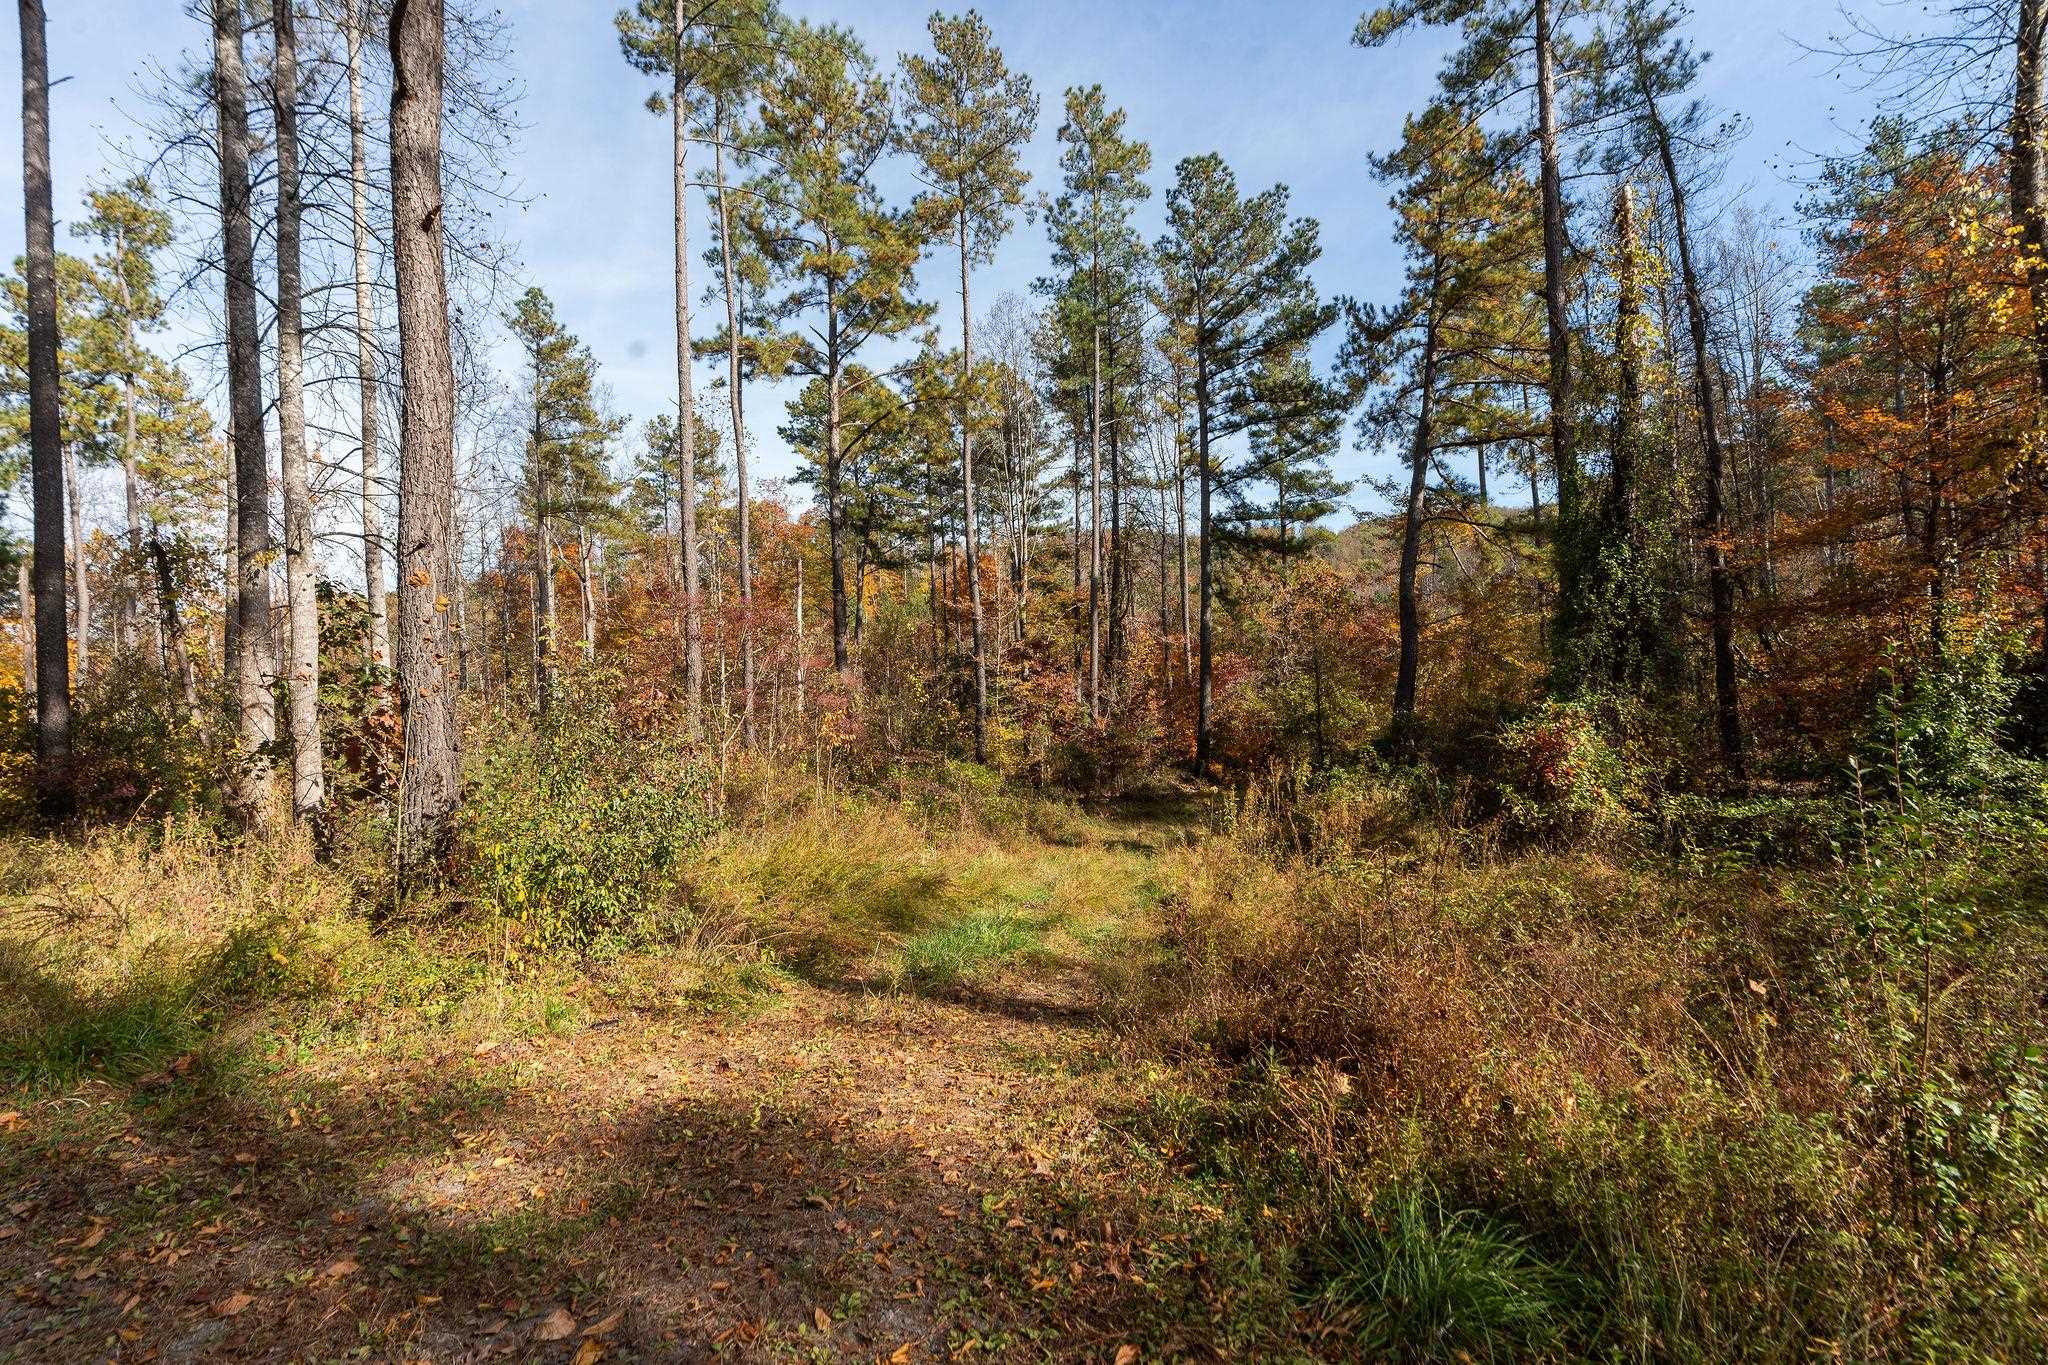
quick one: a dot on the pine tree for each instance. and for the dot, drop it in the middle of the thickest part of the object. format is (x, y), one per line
(967, 119)
(1233, 280)
(564, 477)
(845, 264)
(1466, 226)
(1103, 260)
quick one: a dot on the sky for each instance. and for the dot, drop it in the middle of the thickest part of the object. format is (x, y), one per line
(1273, 85)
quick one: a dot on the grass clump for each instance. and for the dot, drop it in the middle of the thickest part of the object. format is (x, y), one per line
(1414, 1280)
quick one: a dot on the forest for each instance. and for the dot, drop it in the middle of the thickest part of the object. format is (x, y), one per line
(1170, 813)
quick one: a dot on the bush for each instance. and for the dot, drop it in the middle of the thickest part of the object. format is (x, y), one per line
(580, 827)
(1560, 778)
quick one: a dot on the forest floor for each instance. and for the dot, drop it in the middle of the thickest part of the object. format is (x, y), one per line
(934, 1151)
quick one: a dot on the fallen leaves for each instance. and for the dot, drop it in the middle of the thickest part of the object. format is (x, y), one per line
(340, 1268)
(555, 1326)
(233, 1304)
(822, 1319)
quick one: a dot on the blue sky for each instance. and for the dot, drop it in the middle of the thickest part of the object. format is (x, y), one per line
(1275, 87)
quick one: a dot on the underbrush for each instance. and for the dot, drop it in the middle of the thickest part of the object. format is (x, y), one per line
(1569, 1103)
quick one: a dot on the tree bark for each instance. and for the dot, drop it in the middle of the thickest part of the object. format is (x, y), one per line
(686, 416)
(366, 345)
(257, 721)
(301, 573)
(431, 790)
(46, 433)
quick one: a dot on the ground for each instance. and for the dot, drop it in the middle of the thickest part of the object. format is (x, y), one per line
(922, 1153)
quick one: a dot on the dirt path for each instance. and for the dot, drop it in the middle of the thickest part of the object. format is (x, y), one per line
(839, 1173)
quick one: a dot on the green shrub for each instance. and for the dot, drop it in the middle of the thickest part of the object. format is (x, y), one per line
(580, 827)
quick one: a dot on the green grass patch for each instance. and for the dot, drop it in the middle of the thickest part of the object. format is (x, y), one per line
(950, 953)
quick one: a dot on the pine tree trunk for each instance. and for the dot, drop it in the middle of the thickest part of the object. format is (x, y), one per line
(1095, 534)
(1205, 671)
(257, 725)
(374, 591)
(52, 681)
(431, 789)
(972, 545)
(735, 400)
(301, 573)
(1419, 453)
(686, 415)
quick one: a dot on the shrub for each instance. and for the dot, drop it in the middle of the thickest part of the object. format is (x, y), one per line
(579, 827)
(1560, 778)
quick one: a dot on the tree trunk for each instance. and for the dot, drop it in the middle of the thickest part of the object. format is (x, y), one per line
(686, 401)
(431, 789)
(1095, 534)
(1205, 673)
(833, 511)
(967, 498)
(172, 629)
(1713, 516)
(2030, 167)
(46, 458)
(301, 573)
(1563, 453)
(544, 609)
(1411, 524)
(27, 623)
(1180, 515)
(586, 603)
(257, 725)
(81, 579)
(366, 345)
(735, 400)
